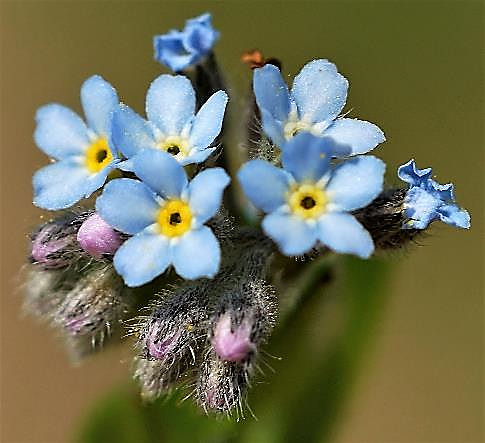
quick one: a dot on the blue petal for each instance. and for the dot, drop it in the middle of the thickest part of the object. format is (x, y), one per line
(271, 92)
(130, 133)
(264, 184)
(293, 235)
(161, 172)
(421, 207)
(199, 34)
(142, 258)
(307, 157)
(170, 103)
(319, 91)
(409, 173)
(360, 136)
(127, 205)
(99, 99)
(355, 183)
(170, 51)
(197, 254)
(197, 156)
(272, 128)
(61, 184)
(343, 233)
(445, 192)
(60, 132)
(205, 193)
(208, 121)
(454, 216)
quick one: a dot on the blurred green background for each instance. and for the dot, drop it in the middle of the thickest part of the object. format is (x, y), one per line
(415, 68)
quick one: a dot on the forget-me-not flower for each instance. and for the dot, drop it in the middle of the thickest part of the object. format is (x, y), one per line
(82, 152)
(309, 200)
(166, 215)
(173, 125)
(181, 49)
(316, 99)
(427, 200)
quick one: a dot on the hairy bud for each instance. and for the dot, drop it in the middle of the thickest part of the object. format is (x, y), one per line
(94, 307)
(385, 217)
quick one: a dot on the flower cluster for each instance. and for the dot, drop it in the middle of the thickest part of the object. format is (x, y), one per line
(150, 199)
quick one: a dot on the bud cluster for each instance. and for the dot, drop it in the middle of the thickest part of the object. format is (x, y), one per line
(163, 253)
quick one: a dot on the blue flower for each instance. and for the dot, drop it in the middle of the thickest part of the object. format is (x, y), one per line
(181, 49)
(427, 200)
(173, 126)
(84, 157)
(309, 200)
(316, 99)
(166, 215)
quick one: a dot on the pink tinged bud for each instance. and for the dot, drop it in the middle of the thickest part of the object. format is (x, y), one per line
(96, 237)
(232, 345)
(43, 246)
(160, 347)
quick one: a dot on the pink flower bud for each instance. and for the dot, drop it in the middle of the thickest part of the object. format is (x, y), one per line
(45, 244)
(232, 345)
(96, 237)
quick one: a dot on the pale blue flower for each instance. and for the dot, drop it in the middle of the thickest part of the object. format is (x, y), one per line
(427, 200)
(172, 124)
(166, 215)
(309, 200)
(181, 49)
(82, 152)
(316, 99)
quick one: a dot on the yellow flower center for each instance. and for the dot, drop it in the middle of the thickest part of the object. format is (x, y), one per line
(307, 201)
(174, 218)
(175, 145)
(293, 127)
(98, 155)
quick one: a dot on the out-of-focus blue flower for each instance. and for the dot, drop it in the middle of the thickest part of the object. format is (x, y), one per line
(173, 126)
(181, 49)
(166, 215)
(309, 200)
(316, 99)
(83, 154)
(427, 200)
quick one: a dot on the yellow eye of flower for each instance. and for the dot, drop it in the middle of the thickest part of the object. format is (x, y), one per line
(176, 146)
(174, 218)
(98, 155)
(307, 201)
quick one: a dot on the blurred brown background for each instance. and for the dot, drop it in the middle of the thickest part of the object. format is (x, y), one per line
(415, 68)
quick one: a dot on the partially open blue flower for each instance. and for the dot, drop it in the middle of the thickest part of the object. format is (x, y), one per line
(181, 49)
(316, 99)
(309, 200)
(427, 200)
(83, 154)
(166, 215)
(173, 125)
